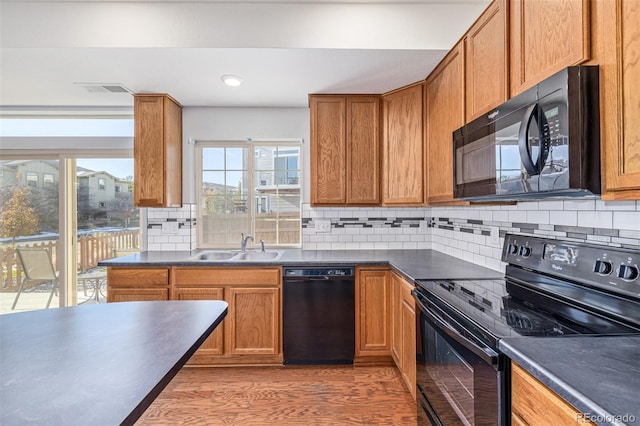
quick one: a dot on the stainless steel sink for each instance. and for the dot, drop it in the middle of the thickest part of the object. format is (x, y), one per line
(258, 255)
(236, 256)
(214, 255)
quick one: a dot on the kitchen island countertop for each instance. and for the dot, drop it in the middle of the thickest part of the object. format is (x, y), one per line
(414, 264)
(598, 375)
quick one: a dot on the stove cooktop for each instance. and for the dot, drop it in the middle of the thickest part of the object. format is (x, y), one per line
(507, 308)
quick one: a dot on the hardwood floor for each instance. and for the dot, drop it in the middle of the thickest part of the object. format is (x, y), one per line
(291, 395)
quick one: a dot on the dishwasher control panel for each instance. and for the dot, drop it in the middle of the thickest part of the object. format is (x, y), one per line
(319, 272)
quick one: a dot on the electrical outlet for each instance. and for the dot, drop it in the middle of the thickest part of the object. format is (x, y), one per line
(170, 228)
(323, 225)
(494, 239)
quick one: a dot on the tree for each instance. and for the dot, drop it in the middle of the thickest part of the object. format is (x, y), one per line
(17, 217)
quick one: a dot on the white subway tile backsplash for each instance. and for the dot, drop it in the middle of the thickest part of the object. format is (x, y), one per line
(579, 204)
(538, 216)
(595, 219)
(566, 218)
(626, 220)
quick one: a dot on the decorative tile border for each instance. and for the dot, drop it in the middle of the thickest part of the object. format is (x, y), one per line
(368, 222)
(605, 236)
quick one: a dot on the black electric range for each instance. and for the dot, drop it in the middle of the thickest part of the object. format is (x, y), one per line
(550, 288)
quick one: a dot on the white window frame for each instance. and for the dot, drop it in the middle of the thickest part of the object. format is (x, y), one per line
(251, 157)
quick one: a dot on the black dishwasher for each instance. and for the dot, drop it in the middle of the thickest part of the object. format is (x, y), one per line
(318, 315)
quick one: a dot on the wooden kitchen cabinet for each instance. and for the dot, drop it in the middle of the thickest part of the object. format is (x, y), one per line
(545, 37)
(486, 68)
(534, 404)
(214, 344)
(251, 331)
(373, 314)
(345, 149)
(444, 101)
(137, 284)
(402, 146)
(403, 335)
(616, 37)
(157, 151)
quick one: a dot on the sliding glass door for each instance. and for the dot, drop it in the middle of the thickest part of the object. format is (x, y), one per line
(59, 218)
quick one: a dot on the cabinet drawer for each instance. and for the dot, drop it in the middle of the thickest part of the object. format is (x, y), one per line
(227, 276)
(138, 277)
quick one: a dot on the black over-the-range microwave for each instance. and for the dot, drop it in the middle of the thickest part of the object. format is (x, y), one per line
(544, 142)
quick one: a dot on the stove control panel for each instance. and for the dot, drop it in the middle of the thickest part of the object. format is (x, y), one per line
(614, 269)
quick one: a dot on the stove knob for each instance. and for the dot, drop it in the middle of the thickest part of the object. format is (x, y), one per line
(512, 249)
(525, 251)
(603, 267)
(628, 272)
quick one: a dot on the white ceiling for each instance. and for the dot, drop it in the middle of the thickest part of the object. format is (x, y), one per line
(283, 50)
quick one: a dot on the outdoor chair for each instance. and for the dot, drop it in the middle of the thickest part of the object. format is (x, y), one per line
(37, 266)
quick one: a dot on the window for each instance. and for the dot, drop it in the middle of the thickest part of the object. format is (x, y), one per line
(47, 180)
(102, 184)
(32, 179)
(250, 188)
(117, 188)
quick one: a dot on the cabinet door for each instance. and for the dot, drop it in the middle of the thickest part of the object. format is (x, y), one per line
(534, 404)
(486, 61)
(618, 38)
(136, 294)
(396, 319)
(214, 343)
(363, 150)
(254, 321)
(157, 151)
(373, 305)
(546, 36)
(445, 114)
(328, 150)
(408, 313)
(403, 151)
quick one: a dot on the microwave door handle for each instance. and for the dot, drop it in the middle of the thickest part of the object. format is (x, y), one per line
(523, 140)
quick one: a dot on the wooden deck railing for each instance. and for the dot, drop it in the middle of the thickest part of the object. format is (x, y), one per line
(91, 249)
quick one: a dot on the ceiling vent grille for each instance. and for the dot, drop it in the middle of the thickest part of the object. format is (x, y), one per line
(104, 87)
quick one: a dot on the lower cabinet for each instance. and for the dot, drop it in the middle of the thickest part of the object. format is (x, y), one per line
(251, 331)
(137, 284)
(373, 306)
(403, 335)
(534, 404)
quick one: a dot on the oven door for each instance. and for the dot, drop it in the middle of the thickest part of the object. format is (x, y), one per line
(459, 381)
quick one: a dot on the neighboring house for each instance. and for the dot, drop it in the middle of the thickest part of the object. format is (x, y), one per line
(100, 188)
(103, 188)
(33, 173)
(278, 183)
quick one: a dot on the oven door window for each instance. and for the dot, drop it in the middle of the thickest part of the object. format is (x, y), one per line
(458, 386)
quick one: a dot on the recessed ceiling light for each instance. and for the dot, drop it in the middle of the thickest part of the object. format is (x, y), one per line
(231, 80)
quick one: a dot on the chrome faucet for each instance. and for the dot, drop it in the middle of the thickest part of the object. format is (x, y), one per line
(243, 242)
(262, 245)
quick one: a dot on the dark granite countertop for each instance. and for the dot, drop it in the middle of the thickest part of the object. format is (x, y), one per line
(599, 375)
(98, 364)
(414, 264)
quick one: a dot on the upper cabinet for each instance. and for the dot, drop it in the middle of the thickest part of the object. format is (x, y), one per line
(545, 37)
(402, 147)
(157, 151)
(486, 70)
(444, 102)
(345, 149)
(616, 39)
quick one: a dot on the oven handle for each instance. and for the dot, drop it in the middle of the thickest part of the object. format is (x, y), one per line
(485, 353)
